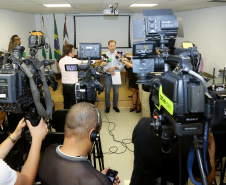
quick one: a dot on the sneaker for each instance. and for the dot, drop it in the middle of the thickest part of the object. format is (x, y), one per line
(107, 110)
(116, 109)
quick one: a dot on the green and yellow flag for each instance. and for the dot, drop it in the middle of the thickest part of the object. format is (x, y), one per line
(57, 53)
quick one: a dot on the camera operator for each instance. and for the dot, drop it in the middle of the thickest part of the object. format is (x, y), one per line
(112, 66)
(69, 78)
(68, 164)
(29, 170)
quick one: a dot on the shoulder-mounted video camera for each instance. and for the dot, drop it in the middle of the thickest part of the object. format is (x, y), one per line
(24, 82)
(184, 103)
(179, 92)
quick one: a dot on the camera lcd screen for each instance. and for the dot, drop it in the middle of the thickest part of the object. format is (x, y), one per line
(71, 67)
(144, 49)
(90, 51)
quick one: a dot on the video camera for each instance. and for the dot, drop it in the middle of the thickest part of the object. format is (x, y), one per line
(24, 82)
(88, 84)
(185, 105)
(175, 91)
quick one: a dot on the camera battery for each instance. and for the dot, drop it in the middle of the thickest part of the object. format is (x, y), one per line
(7, 88)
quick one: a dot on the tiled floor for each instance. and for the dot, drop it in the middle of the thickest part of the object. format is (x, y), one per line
(121, 125)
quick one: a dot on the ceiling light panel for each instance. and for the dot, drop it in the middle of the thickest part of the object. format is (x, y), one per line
(143, 5)
(57, 5)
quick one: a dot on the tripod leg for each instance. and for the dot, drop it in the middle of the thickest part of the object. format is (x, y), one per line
(101, 154)
(222, 172)
(200, 161)
(165, 154)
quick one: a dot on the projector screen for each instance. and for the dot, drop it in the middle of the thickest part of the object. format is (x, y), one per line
(101, 29)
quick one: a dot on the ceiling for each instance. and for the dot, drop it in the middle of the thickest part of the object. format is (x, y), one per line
(97, 6)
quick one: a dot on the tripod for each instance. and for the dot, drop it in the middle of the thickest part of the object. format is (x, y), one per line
(163, 128)
(97, 154)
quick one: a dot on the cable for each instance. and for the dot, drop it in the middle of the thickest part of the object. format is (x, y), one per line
(124, 142)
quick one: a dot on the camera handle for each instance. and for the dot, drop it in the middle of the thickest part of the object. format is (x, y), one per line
(35, 92)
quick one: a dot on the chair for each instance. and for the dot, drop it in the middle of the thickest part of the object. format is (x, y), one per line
(58, 119)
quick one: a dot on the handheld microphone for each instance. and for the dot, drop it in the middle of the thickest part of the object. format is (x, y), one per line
(123, 54)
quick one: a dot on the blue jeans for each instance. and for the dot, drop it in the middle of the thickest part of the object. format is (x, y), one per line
(107, 84)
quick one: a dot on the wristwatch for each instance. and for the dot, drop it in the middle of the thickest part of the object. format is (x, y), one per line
(13, 140)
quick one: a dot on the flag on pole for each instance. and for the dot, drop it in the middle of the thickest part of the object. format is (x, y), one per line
(50, 53)
(43, 31)
(46, 52)
(65, 33)
(56, 41)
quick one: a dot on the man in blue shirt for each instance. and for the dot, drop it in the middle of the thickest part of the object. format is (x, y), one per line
(112, 66)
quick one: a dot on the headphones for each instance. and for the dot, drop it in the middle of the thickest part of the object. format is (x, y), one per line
(94, 136)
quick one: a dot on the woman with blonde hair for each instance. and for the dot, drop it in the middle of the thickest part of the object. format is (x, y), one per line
(12, 45)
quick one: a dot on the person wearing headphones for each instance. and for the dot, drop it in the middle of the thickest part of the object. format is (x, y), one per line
(68, 164)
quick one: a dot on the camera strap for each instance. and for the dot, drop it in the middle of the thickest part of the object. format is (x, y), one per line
(35, 92)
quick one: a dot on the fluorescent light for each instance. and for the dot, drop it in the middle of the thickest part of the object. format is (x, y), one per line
(143, 5)
(57, 5)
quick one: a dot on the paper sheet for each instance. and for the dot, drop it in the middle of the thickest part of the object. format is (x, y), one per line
(116, 79)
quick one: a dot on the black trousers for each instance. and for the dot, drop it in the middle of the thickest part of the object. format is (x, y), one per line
(69, 95)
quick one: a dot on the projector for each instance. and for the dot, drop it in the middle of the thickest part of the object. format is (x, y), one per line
(110, 12)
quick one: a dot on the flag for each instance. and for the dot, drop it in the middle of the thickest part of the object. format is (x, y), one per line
(65, 33)
(50, 53)
(56, 41)
(44, 53)
(45, 50)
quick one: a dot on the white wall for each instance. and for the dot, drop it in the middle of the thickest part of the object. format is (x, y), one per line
(15, 23)
(206, 28)
(60, 18)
